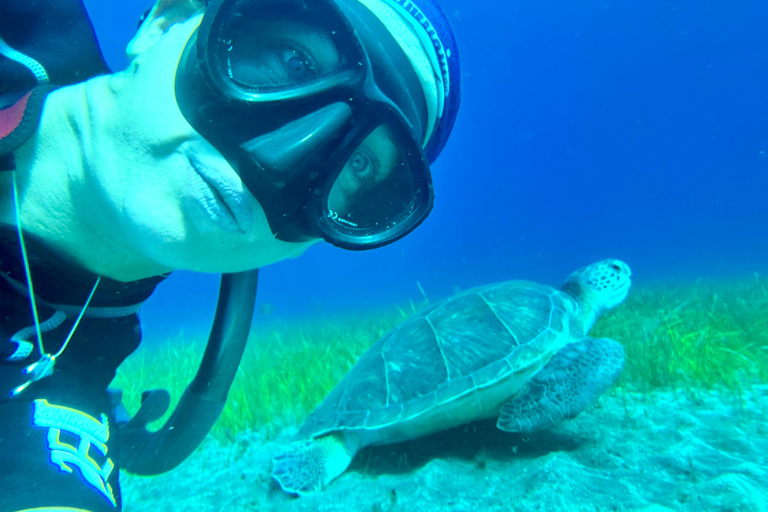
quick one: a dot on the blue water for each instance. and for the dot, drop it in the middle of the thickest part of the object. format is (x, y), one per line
(588, 129)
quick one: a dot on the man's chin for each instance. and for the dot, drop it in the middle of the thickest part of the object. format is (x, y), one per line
(240, 259)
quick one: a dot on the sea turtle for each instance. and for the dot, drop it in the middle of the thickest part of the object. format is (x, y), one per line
(515, 350)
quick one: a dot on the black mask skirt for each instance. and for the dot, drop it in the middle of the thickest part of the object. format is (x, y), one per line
(319, 111)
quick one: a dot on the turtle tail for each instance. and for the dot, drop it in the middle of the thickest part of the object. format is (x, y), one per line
(309, 465)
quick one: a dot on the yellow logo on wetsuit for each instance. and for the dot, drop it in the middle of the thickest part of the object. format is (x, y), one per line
(91, 432)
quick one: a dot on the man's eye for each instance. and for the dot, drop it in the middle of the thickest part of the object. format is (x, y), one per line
(298, 64)
(364, 165)
(360, 163)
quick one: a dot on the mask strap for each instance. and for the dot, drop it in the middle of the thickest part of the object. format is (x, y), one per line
(44, 366)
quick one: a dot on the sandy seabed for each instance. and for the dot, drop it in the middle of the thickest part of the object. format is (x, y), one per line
(687, 450)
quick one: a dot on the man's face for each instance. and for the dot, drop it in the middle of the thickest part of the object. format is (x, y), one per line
(178, 199)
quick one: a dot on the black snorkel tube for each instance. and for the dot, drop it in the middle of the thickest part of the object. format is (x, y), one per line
(150, 453)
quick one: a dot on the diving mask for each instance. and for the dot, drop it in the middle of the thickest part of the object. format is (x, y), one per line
(320, 112)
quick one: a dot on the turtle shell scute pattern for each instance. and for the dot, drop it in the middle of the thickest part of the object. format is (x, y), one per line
(468, 341)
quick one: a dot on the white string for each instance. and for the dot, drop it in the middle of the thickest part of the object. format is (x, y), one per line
(79, 317)
(44, 367)
(26, 266)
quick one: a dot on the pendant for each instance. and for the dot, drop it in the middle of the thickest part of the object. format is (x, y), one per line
(39, 370)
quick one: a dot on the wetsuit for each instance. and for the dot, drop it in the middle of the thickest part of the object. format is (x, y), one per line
(47, 430)
(58, 437)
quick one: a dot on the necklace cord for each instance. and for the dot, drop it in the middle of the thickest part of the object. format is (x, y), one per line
(32, 291)
(79, 317)
(26, 266)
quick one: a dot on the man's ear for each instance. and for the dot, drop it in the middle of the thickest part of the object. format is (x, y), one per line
(163, 16)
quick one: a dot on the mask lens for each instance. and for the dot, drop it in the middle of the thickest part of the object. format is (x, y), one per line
(267, 46)
(380, 186)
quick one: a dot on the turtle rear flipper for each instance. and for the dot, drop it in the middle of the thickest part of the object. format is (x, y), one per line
(571, 381)
(309, 465)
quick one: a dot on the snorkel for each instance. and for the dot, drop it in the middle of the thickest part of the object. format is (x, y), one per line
(150, 453)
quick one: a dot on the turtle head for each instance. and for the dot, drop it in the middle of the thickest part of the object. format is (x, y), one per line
(598, 287)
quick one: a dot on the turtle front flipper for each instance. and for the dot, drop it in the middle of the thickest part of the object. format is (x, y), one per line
(571, 381)
(309, 465)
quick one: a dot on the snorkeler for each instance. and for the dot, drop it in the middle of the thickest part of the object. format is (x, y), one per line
(241, 133)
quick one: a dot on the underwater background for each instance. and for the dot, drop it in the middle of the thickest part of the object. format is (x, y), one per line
(588, 130)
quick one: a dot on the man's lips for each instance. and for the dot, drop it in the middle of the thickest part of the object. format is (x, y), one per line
(222, 195)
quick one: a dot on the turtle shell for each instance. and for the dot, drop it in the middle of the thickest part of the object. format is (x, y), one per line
(468, 341)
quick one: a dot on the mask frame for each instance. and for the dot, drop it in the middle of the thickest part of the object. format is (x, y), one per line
(374, 78)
